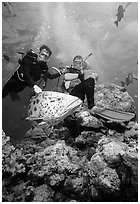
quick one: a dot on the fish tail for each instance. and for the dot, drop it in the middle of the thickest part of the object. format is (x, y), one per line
(116, 23)
(135, 78)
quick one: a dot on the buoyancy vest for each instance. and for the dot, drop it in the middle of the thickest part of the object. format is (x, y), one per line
(72, 78)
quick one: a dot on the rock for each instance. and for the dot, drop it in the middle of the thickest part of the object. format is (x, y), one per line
(112, 152)
(108, 181)
(82, 163)
(86, 119)
(72, 201)
(130, 159)
(95, 166)
(133, 125)
(59, 197)
(43, 193)
(29, 194)
(113, 96)
(57, 158)
(36, 134)
(5, 138)
(56, 179)
(128, 174)
(88, 139)
(91, 151)
(131, 136)
(95, 194)
(74, 184)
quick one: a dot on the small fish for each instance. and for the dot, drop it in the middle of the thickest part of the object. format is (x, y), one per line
(6, 57)
(129, 79)
(9, 8)
(119, 15)
(136, 96)
(49, 108)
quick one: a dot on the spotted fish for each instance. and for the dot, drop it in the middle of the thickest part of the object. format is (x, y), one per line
(49, 108)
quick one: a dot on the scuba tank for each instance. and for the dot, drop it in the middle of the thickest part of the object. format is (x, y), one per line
(30, 54)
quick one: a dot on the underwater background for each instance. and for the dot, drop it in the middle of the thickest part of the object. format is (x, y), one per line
(69, 28)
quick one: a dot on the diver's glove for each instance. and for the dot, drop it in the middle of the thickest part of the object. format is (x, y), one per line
(37, 89)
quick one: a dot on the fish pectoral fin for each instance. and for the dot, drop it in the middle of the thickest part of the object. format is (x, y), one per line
(42, 123)
(134, 77)
(34, 118)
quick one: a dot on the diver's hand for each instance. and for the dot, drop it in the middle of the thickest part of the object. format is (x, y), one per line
(37, 89)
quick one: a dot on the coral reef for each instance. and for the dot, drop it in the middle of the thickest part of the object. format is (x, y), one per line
(99, 162)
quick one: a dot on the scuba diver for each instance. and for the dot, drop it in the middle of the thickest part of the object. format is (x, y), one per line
(32, 68)
(78, 81)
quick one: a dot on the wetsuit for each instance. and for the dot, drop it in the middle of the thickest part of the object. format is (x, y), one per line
(80, 87)
(29, 72)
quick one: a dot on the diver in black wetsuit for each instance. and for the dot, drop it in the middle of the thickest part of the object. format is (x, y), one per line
(32, 68)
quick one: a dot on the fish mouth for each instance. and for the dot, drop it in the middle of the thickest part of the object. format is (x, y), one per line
(71, 107)
(73, 102)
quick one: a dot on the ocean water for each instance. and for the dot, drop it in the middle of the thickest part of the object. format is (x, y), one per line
(69, 29)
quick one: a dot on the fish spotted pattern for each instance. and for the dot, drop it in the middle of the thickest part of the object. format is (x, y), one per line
(49, 108)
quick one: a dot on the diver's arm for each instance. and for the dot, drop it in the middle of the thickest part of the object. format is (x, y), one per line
(48, 75)
(29, 80)
(25, 69)
(51, 76)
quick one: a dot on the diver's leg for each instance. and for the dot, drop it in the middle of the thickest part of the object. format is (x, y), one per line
(88, 86)
(78, 91)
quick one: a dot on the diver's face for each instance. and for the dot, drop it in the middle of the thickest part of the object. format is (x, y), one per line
(78, 64)
(44, 55)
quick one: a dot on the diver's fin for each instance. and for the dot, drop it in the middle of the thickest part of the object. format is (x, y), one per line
(116, 23)
(115, 115)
